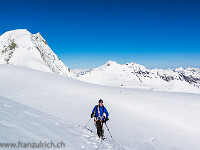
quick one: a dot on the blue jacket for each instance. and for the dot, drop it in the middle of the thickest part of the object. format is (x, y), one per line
(96, 114)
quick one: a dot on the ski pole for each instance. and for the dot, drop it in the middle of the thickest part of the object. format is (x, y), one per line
(109, 132)
(87, 123)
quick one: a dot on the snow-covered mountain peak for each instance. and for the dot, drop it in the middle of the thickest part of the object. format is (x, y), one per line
(14, 36)
(109, 66)
(135, 66)
(130, 64)
(15, 33)
(20, 47)
(180, 69)
(111, 63)
(39, 37)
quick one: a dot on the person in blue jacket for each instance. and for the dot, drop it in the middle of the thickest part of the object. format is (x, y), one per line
(100, 115)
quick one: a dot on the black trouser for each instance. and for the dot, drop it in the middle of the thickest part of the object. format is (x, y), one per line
(99, 126)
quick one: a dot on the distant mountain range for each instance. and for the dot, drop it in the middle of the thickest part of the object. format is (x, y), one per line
(132, 75)
(20, 47)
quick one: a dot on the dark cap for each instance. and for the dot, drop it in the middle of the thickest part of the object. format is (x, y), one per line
(100, 101)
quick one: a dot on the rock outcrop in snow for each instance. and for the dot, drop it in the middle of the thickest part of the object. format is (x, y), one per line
(20, 47)
(132, 75)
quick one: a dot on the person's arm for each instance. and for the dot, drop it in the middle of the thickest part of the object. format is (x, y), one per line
(93, 111)
(107, 114)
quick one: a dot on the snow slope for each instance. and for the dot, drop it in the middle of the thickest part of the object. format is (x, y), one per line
(20, 47)
(132, 75)
(139, 119)
(24, 124)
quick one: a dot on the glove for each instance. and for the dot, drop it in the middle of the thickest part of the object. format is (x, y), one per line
(106, 119)
(92, 115)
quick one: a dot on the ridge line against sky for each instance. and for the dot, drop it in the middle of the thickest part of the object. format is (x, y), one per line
(86, 34)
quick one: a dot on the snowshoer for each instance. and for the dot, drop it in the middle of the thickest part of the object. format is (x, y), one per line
(100, 115)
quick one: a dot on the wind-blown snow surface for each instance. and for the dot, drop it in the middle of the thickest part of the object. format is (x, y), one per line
(20, 47)
(132, 75)
(139, 119)
(24, 124)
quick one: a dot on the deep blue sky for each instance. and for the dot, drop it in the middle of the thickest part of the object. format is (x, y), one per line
(87, 33)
